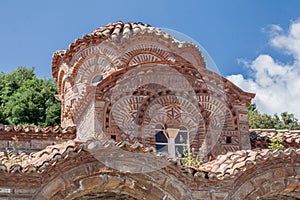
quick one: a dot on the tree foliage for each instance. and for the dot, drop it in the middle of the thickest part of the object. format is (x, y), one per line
(28, 100)
(264, 121)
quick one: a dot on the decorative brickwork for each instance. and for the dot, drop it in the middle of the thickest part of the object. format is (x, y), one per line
(131, 90)
(131, 61)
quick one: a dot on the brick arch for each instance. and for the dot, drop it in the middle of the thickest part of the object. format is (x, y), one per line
(103, 62)
(124, 112)
(106, 196)
(180, 108)
(187, 72)
(112, 183)
(127, 82)
(144, 53)
(120, 115)
(61, 74)
(137, 77)
(143, 48)
(82, 174)
(64, 68)
(105, 48)
(67, 96)
(216, 112)
(66, 80)
(146, 94)
(267, 177)
(92, 65)
(162, 47)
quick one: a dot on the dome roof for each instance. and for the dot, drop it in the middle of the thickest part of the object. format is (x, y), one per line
(115, 31)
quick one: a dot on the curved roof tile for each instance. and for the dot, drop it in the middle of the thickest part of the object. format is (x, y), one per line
(11, 132)
(13, 162)
(225, 166)
(229, 165)
(115, 31)
(260, 138)
(37, 162)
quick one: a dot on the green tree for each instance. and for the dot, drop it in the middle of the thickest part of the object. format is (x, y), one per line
(252, 107)
(264, 121)
(288, 121)
(28, 100)
(257, 120)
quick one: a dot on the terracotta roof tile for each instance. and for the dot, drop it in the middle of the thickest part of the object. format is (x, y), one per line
(9, 132)
(260, 138)
(224, 167)
(12, 162)
(229, 165)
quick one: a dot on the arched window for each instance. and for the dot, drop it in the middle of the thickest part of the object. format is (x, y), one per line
(97, 79)
(181, 141)
(161, 139)
(174, 145)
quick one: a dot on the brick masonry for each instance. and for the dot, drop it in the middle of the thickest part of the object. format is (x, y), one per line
(143, 78)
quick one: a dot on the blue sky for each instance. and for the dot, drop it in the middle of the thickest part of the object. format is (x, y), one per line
(31, 31)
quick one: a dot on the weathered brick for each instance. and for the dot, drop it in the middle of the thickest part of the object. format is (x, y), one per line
(283, 172)
(278, 185)
(53, 187)
(220, 195)
(262, 178)
(201, 195)
(90, 182)
(244, 190)
(5, 190)
(24, 191)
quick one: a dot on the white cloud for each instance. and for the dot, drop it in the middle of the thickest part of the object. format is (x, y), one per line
(276, 84)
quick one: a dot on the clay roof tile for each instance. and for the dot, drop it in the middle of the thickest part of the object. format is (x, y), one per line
(242, 160)
(115, 31)
(10, 132)
(260, 138)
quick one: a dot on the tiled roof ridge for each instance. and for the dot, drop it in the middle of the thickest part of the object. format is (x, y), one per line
(125, 29)
(41, 132)
(272, 130)
(36, 162)
(36, 129)
(231, 164)
(118, 27)
(125, 145)
(224, 167)
(291, 137)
